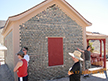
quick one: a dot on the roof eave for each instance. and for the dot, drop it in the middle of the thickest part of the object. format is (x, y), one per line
(21, 15)
(5, 26)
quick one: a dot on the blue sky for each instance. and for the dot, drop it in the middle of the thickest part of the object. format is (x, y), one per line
(95, 11)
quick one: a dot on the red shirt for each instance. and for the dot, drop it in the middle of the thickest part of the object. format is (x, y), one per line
(22, 71)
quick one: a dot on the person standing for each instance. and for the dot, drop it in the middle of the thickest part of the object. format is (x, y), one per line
(21, 67)
(75, 71)
(26, 56)
(87, 55)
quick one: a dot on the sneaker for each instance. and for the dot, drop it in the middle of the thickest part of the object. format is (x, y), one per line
(84, 76)
(87, 76)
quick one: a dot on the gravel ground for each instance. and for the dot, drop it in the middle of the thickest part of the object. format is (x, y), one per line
(6, 76)
(5, 73)
(93, 77)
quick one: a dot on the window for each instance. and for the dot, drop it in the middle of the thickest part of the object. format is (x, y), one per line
(55, 51)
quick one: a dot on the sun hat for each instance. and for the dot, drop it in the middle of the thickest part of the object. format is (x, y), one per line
(76, 54)
(20, 53)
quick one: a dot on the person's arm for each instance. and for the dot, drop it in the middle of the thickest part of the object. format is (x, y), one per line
(70, 73)
(74, 69)
(80, 50)
(19, 64)
(27, 58)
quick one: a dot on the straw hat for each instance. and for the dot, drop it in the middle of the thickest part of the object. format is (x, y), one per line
(76, 54)
(20, 53)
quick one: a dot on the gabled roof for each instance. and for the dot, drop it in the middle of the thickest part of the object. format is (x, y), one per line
(95, 35)
(63, 2)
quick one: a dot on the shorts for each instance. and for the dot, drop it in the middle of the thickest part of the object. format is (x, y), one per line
(23, 78)
(87, 64)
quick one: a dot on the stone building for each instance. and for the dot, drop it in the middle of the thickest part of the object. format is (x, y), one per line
(50, 30)
(2, 23)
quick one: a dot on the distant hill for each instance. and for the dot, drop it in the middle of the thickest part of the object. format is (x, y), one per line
(96, 45)
(2, 23)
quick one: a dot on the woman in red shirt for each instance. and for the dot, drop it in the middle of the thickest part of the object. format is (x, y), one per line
(21, 67)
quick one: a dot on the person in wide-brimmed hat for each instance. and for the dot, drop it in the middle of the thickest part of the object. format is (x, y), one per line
(75, 71)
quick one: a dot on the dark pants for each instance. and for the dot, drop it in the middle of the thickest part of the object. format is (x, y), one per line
(74, 78)
(23, 78)
(71, 78)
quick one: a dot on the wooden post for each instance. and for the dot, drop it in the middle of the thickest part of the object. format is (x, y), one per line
(87, 42)
(104, 53)
(83, 62)
(100, 48)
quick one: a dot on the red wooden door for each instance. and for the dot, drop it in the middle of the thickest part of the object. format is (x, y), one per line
(55, 51)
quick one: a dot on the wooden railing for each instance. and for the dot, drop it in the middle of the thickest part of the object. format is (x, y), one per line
(96, 59)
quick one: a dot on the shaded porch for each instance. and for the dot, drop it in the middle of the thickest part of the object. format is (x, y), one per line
(97, 59)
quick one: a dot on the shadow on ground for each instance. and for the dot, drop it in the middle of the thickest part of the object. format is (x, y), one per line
(93, 77)
(5, 74)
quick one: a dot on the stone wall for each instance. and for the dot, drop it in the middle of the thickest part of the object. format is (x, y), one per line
(1, 37)
(9, 60)
(52, 22)
(2, 23)
(1, 41)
